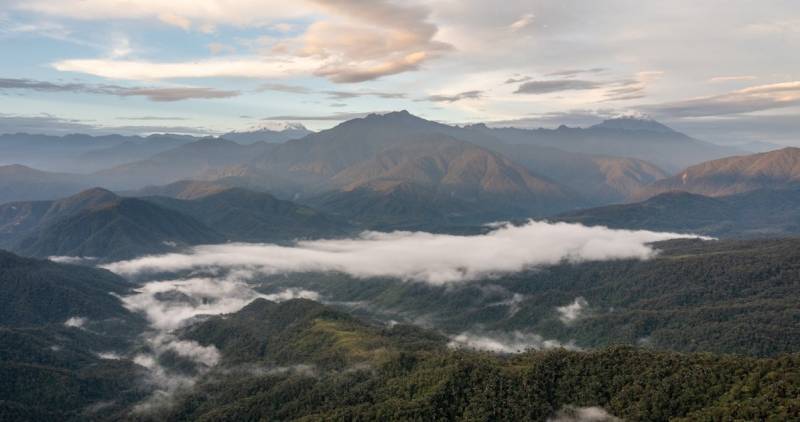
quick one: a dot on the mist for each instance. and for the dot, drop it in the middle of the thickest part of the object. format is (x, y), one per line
(418, 256)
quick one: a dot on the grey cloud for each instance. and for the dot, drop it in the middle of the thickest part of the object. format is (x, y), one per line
(160, 94)
(53, 125)
(153, 118)
(575, 72)
(517, 79)
(547, 87)
(747, 100)
(333, 94)
(292, 89)
(473, 95)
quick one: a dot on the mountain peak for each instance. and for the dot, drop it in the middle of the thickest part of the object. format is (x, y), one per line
(635, 123)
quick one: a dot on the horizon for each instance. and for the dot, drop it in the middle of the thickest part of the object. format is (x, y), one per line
(208, 68)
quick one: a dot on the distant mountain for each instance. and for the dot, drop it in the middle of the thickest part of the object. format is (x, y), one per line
(97, 223)
(76, 152)
(381, 153)
(21, 183)
(758, 213)
(184, 162)
(130, 151)
(182, 189)
(248, 216)
(623, 137)
(271, 135)
(769, 170)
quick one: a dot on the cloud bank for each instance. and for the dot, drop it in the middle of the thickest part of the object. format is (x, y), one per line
(418, 256)
(515, 342)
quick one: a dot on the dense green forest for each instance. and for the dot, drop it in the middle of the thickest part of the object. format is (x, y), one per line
(731, 296)
(299, 360)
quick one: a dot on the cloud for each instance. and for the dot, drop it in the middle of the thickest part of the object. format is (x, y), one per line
(550, 86)
(75, 322)
(332, 94)
(248, 67)
(572, 312)
(150, 118)
(340, 116)
(574, 72)
(747, 100)
(292, 89)
(517, 79)
(351, 41)
(515, 342)
(54, 125)
(165, 94)
(732, 78)
(200, 14)
(418, 256)
(583, 414)
(471, 95)
(523, 22)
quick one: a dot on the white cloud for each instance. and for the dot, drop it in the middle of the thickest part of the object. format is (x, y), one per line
(583, 414)
(515, 342)
(572, 312)
(75, 322)
(243, 67)
(523, 22)
(420, 256)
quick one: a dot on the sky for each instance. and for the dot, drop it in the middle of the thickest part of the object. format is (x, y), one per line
(726, 71)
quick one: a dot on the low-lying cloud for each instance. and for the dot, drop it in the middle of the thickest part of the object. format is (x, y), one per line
(418, 256)
(572, 312)
(583, 414)
(515, 342)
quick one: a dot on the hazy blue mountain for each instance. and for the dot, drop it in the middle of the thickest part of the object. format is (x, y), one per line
(184, 162)
(81, 153)
(21, 183)
(758, 213)
(622, 137)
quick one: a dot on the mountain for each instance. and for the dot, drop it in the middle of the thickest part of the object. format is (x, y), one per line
(182, 189)
(130, 150)
(97, 223)
(758, 213)
(247, 216)
(184, 162)
(726, 176)
(271, 135)
(622, 137)
(21, 183)
(36, 292)
(382, 153)
(598, 179)
(79, 153)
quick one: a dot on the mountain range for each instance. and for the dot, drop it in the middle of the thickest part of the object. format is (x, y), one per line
(386, 159)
